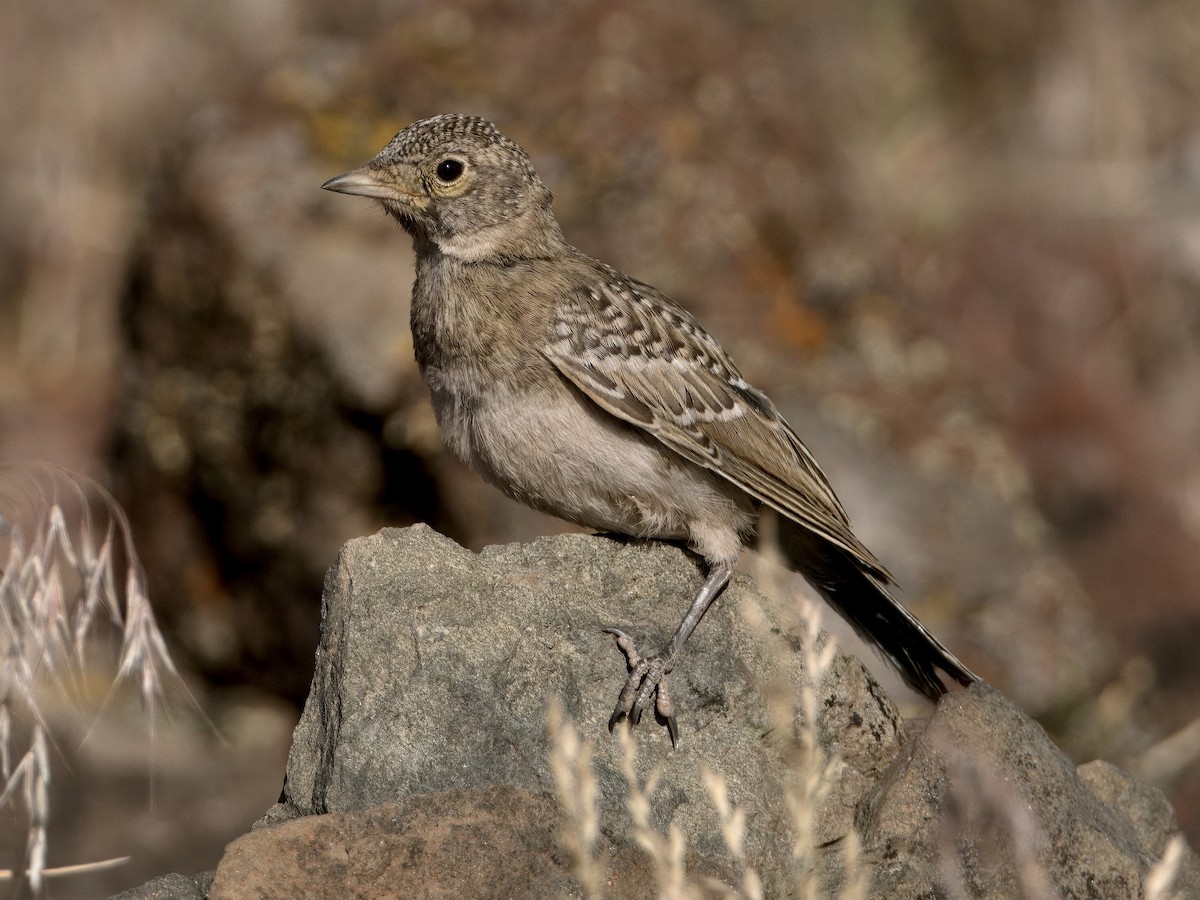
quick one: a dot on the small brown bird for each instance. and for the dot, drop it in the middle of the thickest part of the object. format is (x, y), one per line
(584, 393)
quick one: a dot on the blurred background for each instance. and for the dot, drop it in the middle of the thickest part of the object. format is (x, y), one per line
(958, 241)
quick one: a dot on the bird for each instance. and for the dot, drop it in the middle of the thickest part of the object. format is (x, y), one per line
(582, 392)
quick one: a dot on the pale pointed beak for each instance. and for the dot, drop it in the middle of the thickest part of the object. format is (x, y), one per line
(364, 183)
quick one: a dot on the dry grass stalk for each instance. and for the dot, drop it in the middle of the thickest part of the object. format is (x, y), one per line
(989, 811)
(1161, 880)
(77, 869)
(1172, 756)
(666, 851)
(812, 771)
(575, 785)
(733, 830)
(794, 714)
(857, 883)
(69, 570)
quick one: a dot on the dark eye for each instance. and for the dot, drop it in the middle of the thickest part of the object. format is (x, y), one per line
(449, 170)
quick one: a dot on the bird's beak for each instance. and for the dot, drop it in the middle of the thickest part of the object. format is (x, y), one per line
(365, 183)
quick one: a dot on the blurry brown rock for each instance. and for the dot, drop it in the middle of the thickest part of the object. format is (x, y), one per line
(492, 841)
(483, 842)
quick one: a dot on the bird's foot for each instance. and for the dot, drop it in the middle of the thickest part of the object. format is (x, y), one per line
(645, 686)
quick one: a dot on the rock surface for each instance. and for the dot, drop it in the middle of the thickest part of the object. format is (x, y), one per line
(982, 802)
(170, 887)
(484, 842)
(446, 659)
(421, 765)
(506, 835)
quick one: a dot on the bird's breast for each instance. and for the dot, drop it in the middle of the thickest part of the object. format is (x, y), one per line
(551, 449)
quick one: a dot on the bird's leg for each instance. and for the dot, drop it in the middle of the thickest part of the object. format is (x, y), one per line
(648, 674)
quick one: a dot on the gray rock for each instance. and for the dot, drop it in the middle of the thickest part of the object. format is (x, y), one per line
(980, 803)
(170, 887)
(1150, 814)
(436, 664)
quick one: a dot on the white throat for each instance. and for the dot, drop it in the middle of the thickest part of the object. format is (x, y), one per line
(471, 247)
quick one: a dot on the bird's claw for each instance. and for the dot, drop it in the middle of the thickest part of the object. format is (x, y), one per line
(646, 686)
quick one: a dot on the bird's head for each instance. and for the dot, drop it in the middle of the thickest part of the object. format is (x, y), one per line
(456, 182)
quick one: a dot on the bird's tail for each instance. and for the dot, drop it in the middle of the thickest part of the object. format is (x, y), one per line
(858, 593)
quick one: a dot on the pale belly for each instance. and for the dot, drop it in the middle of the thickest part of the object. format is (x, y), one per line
(574, 460)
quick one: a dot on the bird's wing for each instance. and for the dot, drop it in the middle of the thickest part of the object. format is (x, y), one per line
(647, 361)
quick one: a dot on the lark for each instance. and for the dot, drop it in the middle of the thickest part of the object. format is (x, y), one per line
(587, 394)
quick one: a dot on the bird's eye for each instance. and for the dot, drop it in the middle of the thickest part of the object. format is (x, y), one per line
(449, 170)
